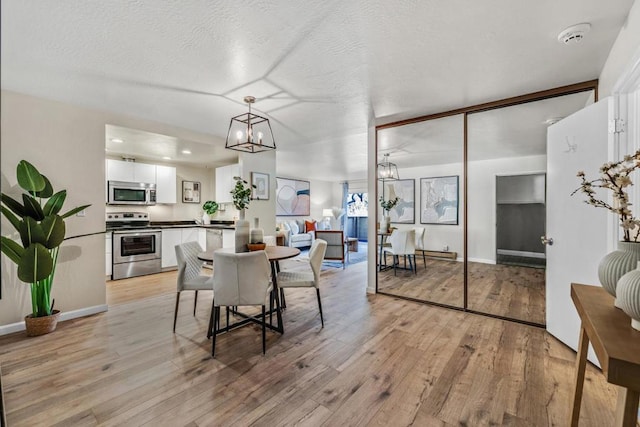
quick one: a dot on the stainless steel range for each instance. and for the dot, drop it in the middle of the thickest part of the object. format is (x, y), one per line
(137, 249)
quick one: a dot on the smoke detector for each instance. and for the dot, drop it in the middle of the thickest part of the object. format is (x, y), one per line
(574, 34)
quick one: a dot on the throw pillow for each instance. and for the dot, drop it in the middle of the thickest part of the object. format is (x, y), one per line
(294, 227)
(309, 226)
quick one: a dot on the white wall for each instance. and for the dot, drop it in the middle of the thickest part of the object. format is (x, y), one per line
(67, 145)
(624, 51)
(264, 210)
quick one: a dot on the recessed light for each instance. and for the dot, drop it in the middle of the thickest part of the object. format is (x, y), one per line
(166, 158)
(186, 152)
(117, 140)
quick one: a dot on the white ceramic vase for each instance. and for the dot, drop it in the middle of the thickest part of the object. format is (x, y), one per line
(616, 264)
(206, 220)
(628, 296)
(384, 224)
(242, 236)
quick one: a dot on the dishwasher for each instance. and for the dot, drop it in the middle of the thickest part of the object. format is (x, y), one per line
(214, 241)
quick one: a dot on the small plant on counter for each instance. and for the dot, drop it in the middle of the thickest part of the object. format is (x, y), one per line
(210, 207)
(42, 230)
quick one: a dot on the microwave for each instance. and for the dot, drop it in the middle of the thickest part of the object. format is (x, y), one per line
(131, 193)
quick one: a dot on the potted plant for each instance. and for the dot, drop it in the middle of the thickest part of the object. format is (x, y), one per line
(210, 207)
(241, 195)
(386, 205)
(42, 230)
(614, 176)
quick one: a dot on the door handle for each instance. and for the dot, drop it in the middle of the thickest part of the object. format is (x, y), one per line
(546, 240)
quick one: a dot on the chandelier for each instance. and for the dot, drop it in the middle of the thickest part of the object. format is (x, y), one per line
(387, 171)
(250, 133)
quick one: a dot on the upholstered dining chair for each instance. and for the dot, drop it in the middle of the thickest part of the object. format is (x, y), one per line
(189, 277)
(402, 244)
(239, 279)
(301, 279)
(420, 235)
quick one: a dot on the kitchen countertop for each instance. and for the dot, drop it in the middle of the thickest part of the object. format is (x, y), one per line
(226, 225)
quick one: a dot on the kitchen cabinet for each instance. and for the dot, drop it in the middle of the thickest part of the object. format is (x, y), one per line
(225, 182)
(175, 236)
(166, 188)
(108, 254)
(170, 238)
(118, 170)
(228, 238)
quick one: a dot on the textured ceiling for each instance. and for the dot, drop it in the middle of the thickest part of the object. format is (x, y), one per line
(319, 69)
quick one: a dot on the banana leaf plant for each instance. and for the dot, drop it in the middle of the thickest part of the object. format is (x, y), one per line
(42, 230)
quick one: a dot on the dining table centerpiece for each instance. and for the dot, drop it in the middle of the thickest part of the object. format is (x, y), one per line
(615, 177)
(241, 195)
(386, 206)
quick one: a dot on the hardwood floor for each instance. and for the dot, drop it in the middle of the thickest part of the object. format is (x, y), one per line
(378, 361)
(504, 290)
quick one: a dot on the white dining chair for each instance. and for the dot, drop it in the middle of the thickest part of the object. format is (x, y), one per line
(402, 244)
(302, 279)
(239, 279)
(189, 277)
(420, 235)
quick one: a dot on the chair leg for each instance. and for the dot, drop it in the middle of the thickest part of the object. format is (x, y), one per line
(195, 303)
(320, 306)
(264, 331)
(283, 301)
(424, 259)
(271, 308)
(211, 320)
(395, 264)
(215, 330)
(227, 326)
(175, 314)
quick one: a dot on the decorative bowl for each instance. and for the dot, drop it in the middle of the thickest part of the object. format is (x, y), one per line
(256, 246)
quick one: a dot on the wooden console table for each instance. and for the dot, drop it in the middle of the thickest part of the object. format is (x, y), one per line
(617, 346)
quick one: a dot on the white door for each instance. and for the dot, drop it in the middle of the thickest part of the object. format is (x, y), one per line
(579, 231)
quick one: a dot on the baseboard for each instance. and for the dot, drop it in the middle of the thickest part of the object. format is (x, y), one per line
(67, 315)
(526, 254)
(482, 260)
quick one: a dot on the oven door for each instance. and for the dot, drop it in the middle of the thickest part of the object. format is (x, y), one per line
(136, 246)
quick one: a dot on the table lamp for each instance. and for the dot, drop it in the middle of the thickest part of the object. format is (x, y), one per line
(327, 214)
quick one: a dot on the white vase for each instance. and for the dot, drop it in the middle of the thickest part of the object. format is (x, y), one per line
(628, 296)
(242, 236)
(384, 224)
(616, 264)
(206, 220)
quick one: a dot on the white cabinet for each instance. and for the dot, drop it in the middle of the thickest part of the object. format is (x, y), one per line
(170, 238)
(166, 189)
(228, 238)
(108, 250)
(118, 170)
(175, 236)
(225, 182)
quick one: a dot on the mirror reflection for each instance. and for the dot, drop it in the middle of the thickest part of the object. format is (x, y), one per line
(506, 168)
(420, 235)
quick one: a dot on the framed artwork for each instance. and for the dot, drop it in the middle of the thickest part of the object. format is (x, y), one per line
(191, 191)
(404, 190)
(439, 200)
(261, 183)
(293, 197)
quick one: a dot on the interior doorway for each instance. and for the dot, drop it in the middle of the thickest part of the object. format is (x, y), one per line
(520, 220)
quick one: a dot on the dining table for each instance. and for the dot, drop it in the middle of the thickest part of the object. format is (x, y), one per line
(275, 254)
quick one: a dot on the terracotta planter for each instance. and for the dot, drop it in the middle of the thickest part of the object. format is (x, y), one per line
(41, 325)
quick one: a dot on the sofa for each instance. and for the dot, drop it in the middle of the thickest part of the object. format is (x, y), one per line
(295, 235)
